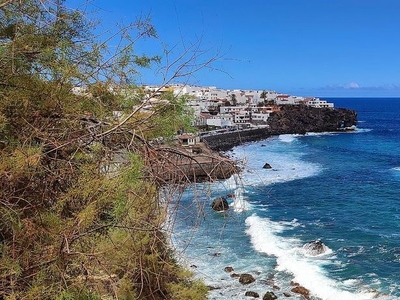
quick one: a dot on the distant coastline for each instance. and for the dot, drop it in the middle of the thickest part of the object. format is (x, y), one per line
(290, 120)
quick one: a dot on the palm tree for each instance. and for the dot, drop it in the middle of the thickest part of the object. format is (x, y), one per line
(263, 95)
(233, 99)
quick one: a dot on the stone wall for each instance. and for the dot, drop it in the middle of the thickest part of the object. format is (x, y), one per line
(225, 141)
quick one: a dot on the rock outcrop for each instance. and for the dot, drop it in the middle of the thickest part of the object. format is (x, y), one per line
(246, 278)
(294, 119)
(220, 204)
(298, 289)
(252, 294)
(270, 296)
(314, 248)
(267, 166)
(301, 119)
(178, 164)
(302, 291)
(229, 269)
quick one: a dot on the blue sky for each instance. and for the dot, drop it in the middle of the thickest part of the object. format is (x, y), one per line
(326, 48)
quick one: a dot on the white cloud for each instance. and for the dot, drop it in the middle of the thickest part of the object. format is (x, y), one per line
(353, 85)
(356, 86)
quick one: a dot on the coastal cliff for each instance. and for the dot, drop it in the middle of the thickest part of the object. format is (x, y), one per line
(300, 119)
(182, 164)
(291, 119)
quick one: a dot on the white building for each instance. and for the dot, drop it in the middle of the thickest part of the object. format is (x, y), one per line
(259, 118)
(318, 103)
(219, 122)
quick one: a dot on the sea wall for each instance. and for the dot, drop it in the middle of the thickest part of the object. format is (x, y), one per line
(225, 141)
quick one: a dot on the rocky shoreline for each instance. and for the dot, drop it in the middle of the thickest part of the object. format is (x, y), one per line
(292, 119)
(204, 162)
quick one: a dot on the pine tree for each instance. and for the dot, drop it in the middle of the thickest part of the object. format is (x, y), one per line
(80, 212)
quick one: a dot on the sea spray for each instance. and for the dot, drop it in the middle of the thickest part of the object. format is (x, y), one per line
(308, 272)
(237, 193)
(282, 153)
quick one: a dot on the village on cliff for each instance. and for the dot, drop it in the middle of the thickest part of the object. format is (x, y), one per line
(218, 110)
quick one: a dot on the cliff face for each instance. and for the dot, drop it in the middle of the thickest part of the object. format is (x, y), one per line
(301, 119)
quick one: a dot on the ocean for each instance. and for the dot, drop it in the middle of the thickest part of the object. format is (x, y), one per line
(340, 188)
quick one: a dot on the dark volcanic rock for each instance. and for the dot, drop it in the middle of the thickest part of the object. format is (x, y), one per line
(291, 119)
(246, 279)
(270, 296)
(228, 269)
(220, 204)
(252, 294)
(302, 291)
(267, 166)
(286, 294)
(314, 248)
(301, 119)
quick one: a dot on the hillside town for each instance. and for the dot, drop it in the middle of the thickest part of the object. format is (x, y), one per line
(219, 110)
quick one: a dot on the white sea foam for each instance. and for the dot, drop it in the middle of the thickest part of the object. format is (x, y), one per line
(362, 130)
(240, 204)
(286, 163)
(235, 184)
(321, 133)
(264, 235)
(288, 138)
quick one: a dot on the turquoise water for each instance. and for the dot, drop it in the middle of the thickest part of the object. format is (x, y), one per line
(342, 188)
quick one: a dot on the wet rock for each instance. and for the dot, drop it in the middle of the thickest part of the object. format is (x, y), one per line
(267, 166)
(270, 296)
(287, 294)
(229, 269)
(246, 279)
(314, 248)
(235, 275)
(220, 204)
(275, 287)
(252, 294)
(302, 291)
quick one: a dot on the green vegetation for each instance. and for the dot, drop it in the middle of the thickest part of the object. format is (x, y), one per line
(80, 210)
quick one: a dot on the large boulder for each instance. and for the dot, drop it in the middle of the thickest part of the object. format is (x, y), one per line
(267, 166)
(315, 248)
(229, 269)
(252, 294)
(302, 291)
(220, 204)
(270, 296)
(246, 278)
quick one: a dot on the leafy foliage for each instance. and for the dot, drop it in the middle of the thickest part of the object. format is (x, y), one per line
(80, 212)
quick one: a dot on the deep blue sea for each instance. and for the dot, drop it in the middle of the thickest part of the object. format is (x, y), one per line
(341, 188)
